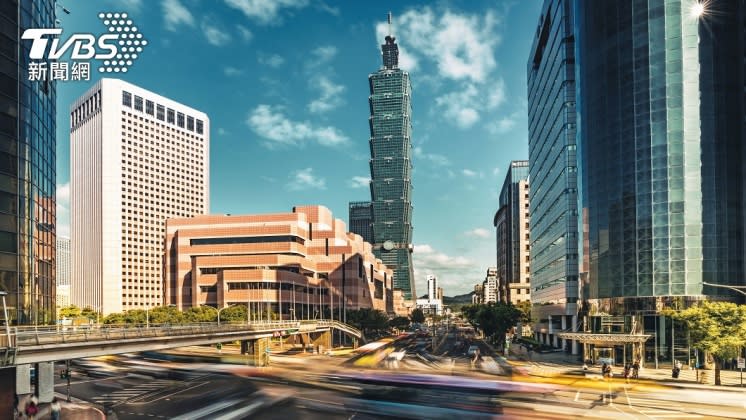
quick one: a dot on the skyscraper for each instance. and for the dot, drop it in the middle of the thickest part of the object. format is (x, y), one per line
(63, 261)
(361, 219)
(662, 143)
(553, 198)
(661, 140)
(137, 159)
(391, 166)
(28, 148)
(512, 228)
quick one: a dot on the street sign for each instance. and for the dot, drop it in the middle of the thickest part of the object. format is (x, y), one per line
(741, 362)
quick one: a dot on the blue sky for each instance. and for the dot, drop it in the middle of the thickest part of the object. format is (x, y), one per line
(285, 85)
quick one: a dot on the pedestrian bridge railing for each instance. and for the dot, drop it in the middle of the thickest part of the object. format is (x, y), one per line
(22, 336)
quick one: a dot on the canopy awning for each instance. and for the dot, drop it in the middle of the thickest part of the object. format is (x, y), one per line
(595, 338)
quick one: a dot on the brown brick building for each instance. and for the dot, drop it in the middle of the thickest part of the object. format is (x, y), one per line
(289, 264)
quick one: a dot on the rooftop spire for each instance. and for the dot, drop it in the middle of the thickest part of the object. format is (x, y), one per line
(390, 49)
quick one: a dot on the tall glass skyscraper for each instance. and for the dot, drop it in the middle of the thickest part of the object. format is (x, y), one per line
(361, 219)
(662, 144)
(27, 169)
(391, 167)
(553, 198)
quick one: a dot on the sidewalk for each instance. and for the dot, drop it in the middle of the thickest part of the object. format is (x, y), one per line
(68, 410)
(548, 364)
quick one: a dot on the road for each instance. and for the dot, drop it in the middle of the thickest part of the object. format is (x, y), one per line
(420, 387)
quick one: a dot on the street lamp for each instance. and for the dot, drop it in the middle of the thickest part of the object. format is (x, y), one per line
(736, 288)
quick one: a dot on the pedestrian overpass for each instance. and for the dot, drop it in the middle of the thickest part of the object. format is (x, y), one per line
(41, 346)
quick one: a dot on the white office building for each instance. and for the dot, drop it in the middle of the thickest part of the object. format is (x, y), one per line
(137, 158)
(489, 286)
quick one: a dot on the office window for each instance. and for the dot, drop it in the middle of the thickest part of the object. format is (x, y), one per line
(190, 123)
(149, 105)
(127, 99)
(200, 127)
(180, 119)
(160, 112)
(170, 116)
(138, 103)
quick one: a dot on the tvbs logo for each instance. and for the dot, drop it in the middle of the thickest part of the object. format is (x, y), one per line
(83, 45)
(116, 50)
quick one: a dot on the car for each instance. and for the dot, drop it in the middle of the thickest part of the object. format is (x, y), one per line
(472, 350)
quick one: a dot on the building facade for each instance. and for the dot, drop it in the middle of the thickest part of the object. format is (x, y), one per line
(477, 296)
(432, 287)
(28, 147)
(512, 226)
(662, 149)
(63, 261)
(490, 286)
(391, 166)
(361, 219)
(297, 265)
(553, 169)
(137, 159)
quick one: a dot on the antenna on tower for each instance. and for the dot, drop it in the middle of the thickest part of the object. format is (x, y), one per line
(389, 23)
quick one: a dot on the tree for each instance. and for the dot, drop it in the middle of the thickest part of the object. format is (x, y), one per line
(717, 328)
(367, 319)
(525, 307)
(417, 316)
(89, 313)
(399, 322)
(71, 311)
(494, 319)
(202, 314)
(235, 313)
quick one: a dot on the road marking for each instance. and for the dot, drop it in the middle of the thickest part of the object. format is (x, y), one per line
(169, 395)
(240, 413)
(577, 396)
(203, 412)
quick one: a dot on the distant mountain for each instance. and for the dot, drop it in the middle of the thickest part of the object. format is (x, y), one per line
(460, 299)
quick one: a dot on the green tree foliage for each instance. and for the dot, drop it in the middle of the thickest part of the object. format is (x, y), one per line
(368, 320)
(399, 322)
(71, 311)
(202, 314)
(417, 316)
(89, 313)
(525, 308)
(233, 314)
(494, 319)
(717, 328)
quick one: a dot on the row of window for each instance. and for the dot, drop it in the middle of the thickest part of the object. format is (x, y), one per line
(162, 113)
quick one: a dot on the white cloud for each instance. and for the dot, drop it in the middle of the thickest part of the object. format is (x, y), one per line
(479, 233)
(129, 5)
(270, 123)
(456, 274)
(469, 173)
(328, 9)
(214, 35)
(176, 14)
(496, 171)
(273, 60)
(435, 159)
(506, 123)
(232, 71)
(265, 12)
(63, 210)
(359, 182)
(221, 131)
(460, 45)
(245, 33)
(321, 55)
(330, 95)
(305, 179)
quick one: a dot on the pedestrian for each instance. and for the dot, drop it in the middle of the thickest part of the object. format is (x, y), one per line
(627, 370)
(607, 371)
(56, 408)
(636, 369)
(31, 410)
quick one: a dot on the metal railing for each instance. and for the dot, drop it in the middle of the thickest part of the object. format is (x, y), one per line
(45, 335)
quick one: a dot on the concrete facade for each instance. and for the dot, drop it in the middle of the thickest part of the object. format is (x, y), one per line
(287, 265)
(137, 158)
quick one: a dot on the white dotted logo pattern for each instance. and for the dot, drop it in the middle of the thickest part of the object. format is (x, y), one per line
(130, 42)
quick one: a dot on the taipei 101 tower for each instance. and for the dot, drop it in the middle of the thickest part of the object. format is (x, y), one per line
(391, 166)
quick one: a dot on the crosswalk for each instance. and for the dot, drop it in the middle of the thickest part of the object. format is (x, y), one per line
(133, 392)
(659, 408)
